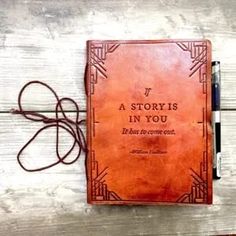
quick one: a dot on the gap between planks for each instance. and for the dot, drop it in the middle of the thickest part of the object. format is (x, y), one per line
(84, 111)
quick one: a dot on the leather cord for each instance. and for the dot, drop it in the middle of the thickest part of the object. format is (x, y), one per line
(72, 127)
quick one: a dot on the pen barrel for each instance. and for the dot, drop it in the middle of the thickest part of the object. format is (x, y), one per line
(216, 97)
(216, 78)
(218, 139)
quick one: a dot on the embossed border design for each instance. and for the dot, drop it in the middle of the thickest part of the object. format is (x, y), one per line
(198, 192)
(100, 190)
(198, 53)
(199, 189)
(96, 60)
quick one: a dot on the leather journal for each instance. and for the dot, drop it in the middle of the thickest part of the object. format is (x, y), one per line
(149, 129)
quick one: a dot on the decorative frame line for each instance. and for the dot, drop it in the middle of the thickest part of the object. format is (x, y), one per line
(100, 191)
(199, 189)
(96, 60)
(94, 121)
(98, 55)
(198, 52)
(203, 122)
(198, 192)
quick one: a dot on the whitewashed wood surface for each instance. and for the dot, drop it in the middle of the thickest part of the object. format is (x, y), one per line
(45, 40)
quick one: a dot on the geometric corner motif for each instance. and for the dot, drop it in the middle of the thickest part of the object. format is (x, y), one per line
(198, 54)
(100, 191)
(98, 54)
(198, 192)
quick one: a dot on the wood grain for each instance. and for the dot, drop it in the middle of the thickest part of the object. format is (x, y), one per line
(53, 202)
(45, 40)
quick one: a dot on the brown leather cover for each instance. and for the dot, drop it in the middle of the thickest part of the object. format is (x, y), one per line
(149, 122)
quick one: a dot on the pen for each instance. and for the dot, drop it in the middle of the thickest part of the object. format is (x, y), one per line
(216, 77)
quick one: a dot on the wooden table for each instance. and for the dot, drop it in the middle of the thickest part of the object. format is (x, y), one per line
(45, 40)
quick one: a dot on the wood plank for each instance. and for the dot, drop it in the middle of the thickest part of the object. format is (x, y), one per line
(45, 40)
(53, 202)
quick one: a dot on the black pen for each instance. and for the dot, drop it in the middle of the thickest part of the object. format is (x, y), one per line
(216, 77)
